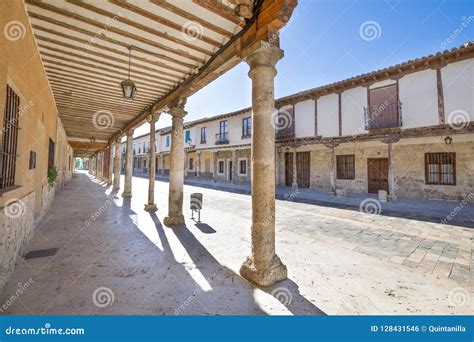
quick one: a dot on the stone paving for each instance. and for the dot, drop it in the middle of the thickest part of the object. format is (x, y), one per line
(339, 261)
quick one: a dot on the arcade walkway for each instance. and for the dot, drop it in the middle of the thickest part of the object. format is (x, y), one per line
(115, 258)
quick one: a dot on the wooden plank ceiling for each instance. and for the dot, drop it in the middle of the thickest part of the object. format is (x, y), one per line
(84, 48)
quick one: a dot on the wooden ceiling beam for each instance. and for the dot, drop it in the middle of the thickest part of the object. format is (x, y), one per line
(54, 64)
(81, 105)
(191, 17)
(104, 38)
(162, 65)
(134, 72)
(157, 73)
(142, 94)
(75, 16)
(106, 85)
(221, 10)
(89, 77)
(164, 35)
(163, 21)
(100, 92)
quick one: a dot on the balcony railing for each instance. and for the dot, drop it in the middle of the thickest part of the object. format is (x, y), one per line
(284, 134)
(387, 115)
(222, 138)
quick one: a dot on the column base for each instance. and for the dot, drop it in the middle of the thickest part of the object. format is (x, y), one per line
(294, 186)
(127, 194)
(151, 207)
(275, 272)
(171, 221)
(115, 188)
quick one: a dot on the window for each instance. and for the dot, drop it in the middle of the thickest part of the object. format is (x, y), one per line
(384, 108)
(10, 139)
(243, 167)
(246, 127)
(167, 141)
(191, 164)
(223, 127)
(187, 136)
(440, 168)
(203, 135)
(345, 167)
(50, 154)
(221, 167)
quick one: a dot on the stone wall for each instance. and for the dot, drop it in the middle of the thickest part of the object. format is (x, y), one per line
(17, 229)
(408, 166)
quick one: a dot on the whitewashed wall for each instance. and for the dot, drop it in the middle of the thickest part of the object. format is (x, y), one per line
(328, 115)
(418, 94)
(304, 119)
(458, 86)
(353, 102)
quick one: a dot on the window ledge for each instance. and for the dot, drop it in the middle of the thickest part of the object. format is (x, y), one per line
(10, 190)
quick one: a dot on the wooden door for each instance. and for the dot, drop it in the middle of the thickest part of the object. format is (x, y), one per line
(288, 168)
(377, 173)
(302, 169)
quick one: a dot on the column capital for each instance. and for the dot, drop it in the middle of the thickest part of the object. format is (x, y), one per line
(263, 54)
(390, 139)
(130, 133)
(153, 117)
(176, 107)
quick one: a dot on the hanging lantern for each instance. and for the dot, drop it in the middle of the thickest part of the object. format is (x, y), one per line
(128, 86)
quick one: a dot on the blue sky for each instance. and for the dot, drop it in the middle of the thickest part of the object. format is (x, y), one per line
(325, 42)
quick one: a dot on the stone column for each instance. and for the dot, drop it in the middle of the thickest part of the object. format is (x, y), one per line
(111, 163)
(263, 267)
(151, 206)
(391, 178)
(389, 140)
(117, 165)
(186, 164)
(198, 164)
(332, 171)
(162, 162)
(176, 179)
(294, 185)
(234, 166)
(127, 189)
